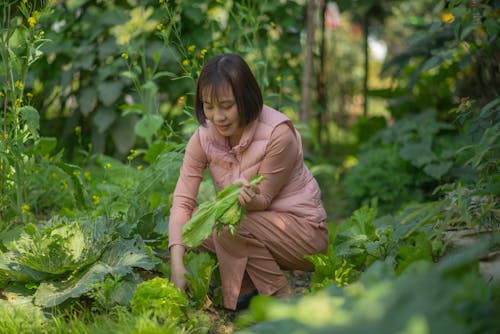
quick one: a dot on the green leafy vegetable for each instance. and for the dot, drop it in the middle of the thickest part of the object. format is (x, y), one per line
(200, 267)
(159, 297)
(119, 259)
(63, 246)
(212, 214)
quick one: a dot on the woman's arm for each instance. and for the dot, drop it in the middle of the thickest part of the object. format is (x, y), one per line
(184, 200)
(186, 189)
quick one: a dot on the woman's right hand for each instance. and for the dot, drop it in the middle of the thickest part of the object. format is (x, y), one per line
(178, 269)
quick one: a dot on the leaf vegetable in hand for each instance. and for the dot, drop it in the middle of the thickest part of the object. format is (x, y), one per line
(224, 210)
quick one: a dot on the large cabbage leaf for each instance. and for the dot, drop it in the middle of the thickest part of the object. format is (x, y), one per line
(63, 245)
(119, 259)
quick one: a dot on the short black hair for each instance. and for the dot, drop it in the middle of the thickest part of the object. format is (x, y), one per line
(230, 69)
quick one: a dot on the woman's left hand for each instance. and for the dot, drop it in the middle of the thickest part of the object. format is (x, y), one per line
(247, 192)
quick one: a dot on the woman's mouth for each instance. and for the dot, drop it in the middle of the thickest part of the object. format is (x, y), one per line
(223, 128)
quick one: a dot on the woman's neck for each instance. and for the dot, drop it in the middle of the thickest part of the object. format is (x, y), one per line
(234, 139)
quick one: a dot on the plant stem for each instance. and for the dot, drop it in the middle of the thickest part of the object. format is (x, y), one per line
(5, 56)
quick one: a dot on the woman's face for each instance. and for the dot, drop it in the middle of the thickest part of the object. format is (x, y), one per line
(221, 109)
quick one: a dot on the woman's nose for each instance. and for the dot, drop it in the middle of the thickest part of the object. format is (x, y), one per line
(219, 114)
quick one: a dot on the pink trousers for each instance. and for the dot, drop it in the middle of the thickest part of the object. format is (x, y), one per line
(265, 244)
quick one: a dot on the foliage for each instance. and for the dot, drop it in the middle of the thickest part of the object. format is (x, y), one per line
(70, 257)
(223, 211)
(200, 267)
(20, 317)
(20, 44)
(362, 239)
(423, 298)
(457, 51)
(159, 298)
(404, 162)
(62, 246)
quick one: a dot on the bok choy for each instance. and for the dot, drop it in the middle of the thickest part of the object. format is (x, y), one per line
(224, 210)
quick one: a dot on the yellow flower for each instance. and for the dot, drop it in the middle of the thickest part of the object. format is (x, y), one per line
(139, 22)
(95, 199)
(31, 21)
(6, 135)
(185, 62)
(1, 94)
(350, 161)
(124, 55)
(19, 101)
(107, 166)
(139, 167)
(181, 99)
(159, 26)
(29, 95)
(78, 129)
(25, 209)
(278, 78)
(191, 48)
(447, 17)
(86, 175)
(203, 52)
(19, 85)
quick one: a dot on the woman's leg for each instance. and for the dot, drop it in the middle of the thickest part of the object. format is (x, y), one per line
(264, 244)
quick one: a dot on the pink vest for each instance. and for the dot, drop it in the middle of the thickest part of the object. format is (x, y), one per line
(301, 196)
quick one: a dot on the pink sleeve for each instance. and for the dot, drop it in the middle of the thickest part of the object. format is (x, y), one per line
(277, 166)
(186, 190)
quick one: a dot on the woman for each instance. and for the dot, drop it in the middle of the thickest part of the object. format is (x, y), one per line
(239, 137)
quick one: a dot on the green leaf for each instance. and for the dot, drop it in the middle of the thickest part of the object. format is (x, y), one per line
(45, 145)
(150, 86)
(200, 267)
(129, 75)
(163, 74)
(32, 118)
(63, 246)
(104, 118)
(490, 105)
(87, 100)
(13, 271)
(148, 126)
(119, 259)
(122, 255)
(53, 293)
(492, 27)
(159, 297)
(109, 91)
(204, 220)
(437, 170)
(200, 226)
(122, 133)
(418, 154)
